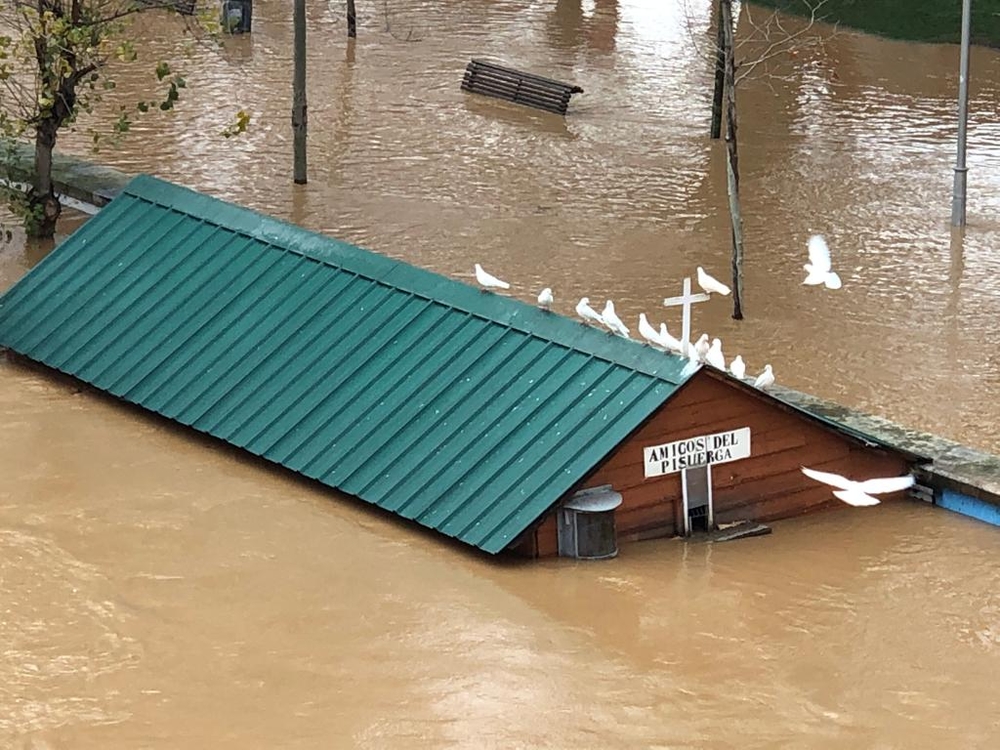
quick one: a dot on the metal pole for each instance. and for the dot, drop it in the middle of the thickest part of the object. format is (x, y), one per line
(352, 20)
(686, 318)
(961, 171)
(299, 119)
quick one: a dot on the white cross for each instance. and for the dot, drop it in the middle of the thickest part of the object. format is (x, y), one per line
(686, 300)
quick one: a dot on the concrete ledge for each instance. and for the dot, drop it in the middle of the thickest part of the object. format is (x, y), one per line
(75, 177)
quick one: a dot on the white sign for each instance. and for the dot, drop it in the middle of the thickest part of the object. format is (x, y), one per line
(719, 448)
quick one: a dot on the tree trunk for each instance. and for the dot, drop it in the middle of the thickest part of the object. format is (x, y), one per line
(42, 197)
(300, 118)
(352, 20)
(720, 74)
(732, 157)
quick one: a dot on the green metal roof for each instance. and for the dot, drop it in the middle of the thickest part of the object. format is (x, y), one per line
(468, 412)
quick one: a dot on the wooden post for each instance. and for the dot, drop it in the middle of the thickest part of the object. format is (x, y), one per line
(352, 20)
(720, 75)
(732, 157)
(299, 116)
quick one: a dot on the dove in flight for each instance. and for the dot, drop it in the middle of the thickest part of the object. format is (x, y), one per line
(488, 281)
(545, 299)
(860, 494)
(710, 284)
(819, 269)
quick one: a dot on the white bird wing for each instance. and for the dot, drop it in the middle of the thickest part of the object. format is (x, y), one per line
(667, 340)
(819, 255)
(612, 321)
(887, 484)
(832, 281)
(834, 480)
(765, 379)
(711, 284)
(856, 497)
(648, 332)
(487, 279)
(716, 358)
(586, 312)
(814, 277)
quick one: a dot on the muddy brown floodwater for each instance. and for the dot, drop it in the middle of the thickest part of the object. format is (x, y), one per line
(159, 591)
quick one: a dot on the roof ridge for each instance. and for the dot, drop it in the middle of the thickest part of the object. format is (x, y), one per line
(509, 311)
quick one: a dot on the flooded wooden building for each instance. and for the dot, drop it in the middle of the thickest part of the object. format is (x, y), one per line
(506, 427)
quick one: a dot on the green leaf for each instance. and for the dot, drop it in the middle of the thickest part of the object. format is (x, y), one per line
(126, 52)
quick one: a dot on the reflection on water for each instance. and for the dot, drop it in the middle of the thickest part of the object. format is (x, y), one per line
(161, 592)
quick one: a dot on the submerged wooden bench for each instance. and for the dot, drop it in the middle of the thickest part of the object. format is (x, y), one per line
(517, 86)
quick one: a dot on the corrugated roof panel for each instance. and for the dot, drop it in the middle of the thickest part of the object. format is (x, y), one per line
(338, 380)
(492, 473)
(416, 413)
(255, 343)
(434, 430)
(159, 305)
(49, 277)
(394, 372)
(246, 321)
(500, 435)
(301, 361)
(469, 412)
(556, 463)
(280, 352)
(73, 287)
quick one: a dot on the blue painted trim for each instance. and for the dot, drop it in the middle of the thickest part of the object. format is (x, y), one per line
(969, 506)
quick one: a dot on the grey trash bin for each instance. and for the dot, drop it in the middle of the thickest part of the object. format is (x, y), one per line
(237, 16)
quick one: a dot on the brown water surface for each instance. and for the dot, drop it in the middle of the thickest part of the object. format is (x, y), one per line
(159, 591)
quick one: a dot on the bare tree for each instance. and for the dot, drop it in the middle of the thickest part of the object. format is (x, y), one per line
(764, 51)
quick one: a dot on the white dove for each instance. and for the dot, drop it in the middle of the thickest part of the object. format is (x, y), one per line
(701, 347)
(545, 298)
(488, 281)
(668, 341)
(612, 321)
(738, 368)
(765, 380)
(819, 269)
(711, 285)
(589, 314)
(860, 493)
(714, 355)
(648, 332)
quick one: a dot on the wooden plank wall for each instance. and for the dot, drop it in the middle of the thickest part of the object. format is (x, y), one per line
(766, 486)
